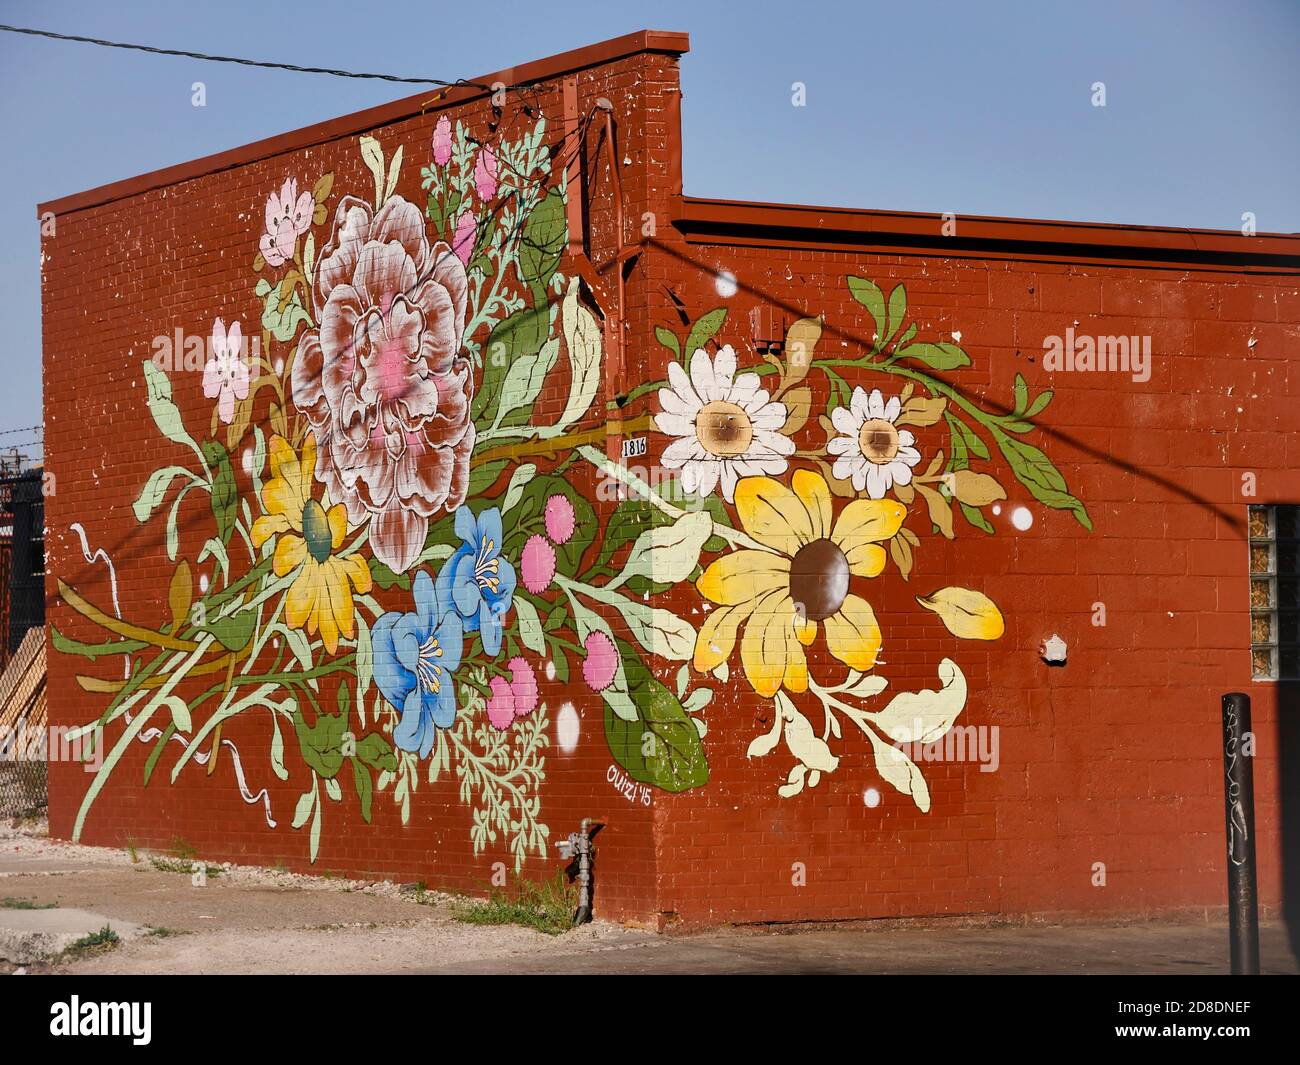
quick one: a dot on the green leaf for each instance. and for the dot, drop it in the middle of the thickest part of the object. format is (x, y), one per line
(373, 156)
(365, 788)
(668, 554)
(530, 625)
(321, 743)
(277, 749)
(524, 473)
(1040, 402)
(282, 324)
(969, 439)
(374, 750)
(225, 493)
(234, 630)
(1037, 473)
(668, 339)
(936, 356)
(152, 763)
(1021, 395)
(897, 308)
(704, 329)
(523, 384)
(365, 665)
(481, 478)
(166, 414)
(521, 334)
(306, 803)
(582, 341)
(976, 517)
(542, 242)
(155, 491)
(869, 295)
(383, 577)
(661, 745)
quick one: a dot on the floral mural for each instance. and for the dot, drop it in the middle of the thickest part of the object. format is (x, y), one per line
(410, 550)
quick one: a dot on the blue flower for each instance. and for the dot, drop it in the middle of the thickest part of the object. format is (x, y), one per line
(476, 580)
(415, 656)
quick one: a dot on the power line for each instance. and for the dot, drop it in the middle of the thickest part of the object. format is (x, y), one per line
(25, 429)
(295, 68)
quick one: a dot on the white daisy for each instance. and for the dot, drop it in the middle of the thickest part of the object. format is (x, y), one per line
(873, 452)
(727, 427)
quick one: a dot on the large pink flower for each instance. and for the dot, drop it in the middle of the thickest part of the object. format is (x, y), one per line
(288, 216)
(383, 380)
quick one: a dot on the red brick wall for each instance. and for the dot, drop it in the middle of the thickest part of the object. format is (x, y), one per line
(1113, 758)
(119, 274)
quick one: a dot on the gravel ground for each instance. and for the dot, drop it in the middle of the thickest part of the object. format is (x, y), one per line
(250, 919)
(319, 924)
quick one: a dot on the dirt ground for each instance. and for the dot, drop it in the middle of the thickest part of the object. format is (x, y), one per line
(253, 920)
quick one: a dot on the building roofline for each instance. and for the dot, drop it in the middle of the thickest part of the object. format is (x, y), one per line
(432, 99)
(734, 222)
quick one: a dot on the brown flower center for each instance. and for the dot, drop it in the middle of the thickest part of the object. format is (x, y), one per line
(724, 429)
(819, 580)
(878, 440)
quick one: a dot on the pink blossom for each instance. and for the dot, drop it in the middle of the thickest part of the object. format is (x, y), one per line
(383, 379)
(288, 216)
(226, 372)
(538, 564)
(501, 703)
(462, 241)
(442, 141)
(601, 663)
(559, 519)
(523, 685)
(485, 173)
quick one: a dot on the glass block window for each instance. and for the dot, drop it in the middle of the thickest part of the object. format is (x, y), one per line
(1275, 592)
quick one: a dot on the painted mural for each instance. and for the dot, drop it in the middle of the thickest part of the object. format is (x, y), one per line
(417, 532)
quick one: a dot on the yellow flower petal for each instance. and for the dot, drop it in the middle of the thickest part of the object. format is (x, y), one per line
(968, 614)
(280, 498)
(338, 521)
(717, 637)
(289, 553)
(796, 662)
(867, 521)
(814, 494)
(307, 468)
(865, 560)
(743, 576)
(358, 572)
(339, 592)
(852, 634)
(805, 630)
(768, 650)
(329, 629)
(300, 603)
(772, 514)
(266, 526)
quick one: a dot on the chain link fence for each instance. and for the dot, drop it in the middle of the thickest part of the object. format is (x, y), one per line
(23, 717)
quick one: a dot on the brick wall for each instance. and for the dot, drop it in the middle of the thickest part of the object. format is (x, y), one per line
(1113, 758)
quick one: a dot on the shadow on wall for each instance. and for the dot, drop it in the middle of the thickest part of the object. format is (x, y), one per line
(1288, 763)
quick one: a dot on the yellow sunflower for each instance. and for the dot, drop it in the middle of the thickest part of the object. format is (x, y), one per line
(781, 595)
(310, 532)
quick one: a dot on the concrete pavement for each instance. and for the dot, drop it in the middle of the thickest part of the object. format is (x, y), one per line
(249, 920)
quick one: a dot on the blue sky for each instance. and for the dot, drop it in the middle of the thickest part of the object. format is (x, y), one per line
(975, 108)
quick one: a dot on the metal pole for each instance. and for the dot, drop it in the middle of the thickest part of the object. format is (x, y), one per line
(1239, 812)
